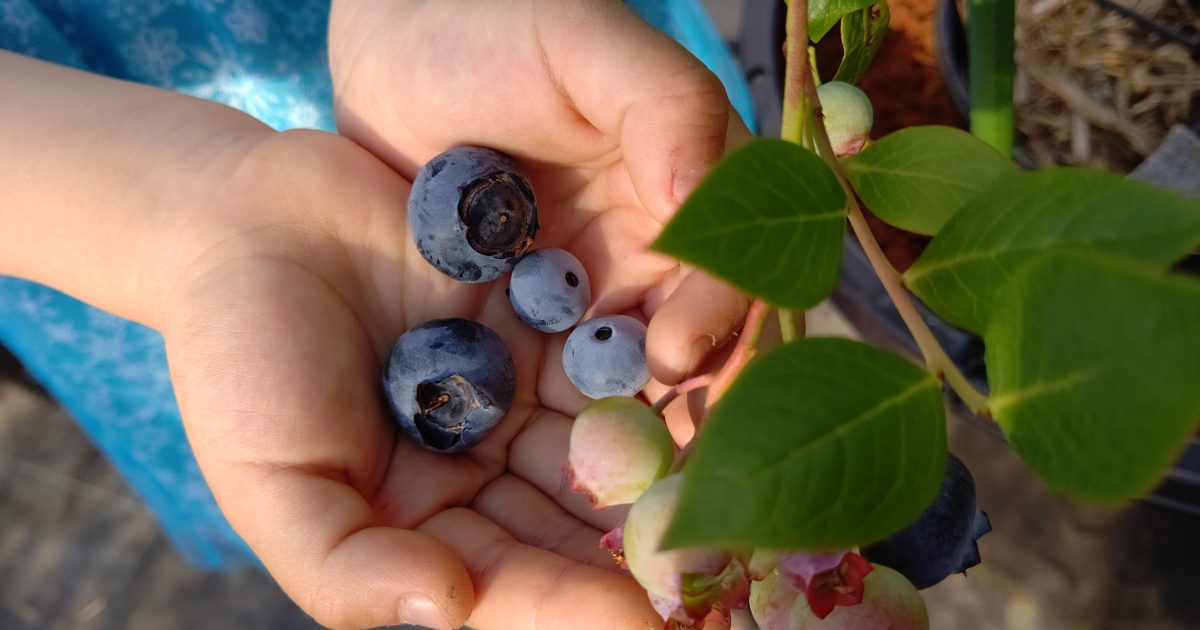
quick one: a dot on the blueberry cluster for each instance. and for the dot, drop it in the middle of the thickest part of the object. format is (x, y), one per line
(473, 217)
(876, 587)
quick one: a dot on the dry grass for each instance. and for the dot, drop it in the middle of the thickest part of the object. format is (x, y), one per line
(1094, 87)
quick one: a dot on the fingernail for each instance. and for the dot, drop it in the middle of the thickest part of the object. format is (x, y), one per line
(686, 181)
(423, 612)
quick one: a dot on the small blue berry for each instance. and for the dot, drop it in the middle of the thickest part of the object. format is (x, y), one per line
(448, 382)
(606, 356)
(472, 213)
(549, 290)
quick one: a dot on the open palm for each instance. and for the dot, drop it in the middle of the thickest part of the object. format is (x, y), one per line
(281, 334)
(277, 350)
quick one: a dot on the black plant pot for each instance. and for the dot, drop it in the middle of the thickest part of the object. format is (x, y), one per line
(860, 295)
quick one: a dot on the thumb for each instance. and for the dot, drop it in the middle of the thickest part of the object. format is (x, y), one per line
(668, 112)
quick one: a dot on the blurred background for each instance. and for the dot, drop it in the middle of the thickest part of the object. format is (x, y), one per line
(79, 550)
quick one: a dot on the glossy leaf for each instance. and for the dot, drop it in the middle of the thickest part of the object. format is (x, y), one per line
(917, 178)
(768, 219)
(862, 35)
(823, 443)
(1094, 367)
(1026, 214)
(823, 14)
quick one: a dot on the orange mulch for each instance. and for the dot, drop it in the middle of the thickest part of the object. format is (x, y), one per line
(904, 82)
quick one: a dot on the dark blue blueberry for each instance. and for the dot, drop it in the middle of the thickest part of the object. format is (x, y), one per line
(549, 290)
(943, 539)
(606, 356)
(448, 382)
(472, 213)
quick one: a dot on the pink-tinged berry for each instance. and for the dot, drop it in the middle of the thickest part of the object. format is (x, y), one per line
(890, 602)
(618, 448)
(771, 601)
(706, 573)
(848, 116)
(823, 580)
(826, 579)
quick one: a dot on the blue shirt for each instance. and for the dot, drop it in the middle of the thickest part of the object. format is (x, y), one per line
(268, 59)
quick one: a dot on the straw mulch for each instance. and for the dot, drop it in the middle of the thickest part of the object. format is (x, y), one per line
(1096, 88)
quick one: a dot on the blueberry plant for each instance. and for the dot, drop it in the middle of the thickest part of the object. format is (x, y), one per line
(818, 491)
(824, 445)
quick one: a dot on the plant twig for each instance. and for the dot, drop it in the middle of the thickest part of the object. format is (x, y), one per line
(795, 98)
(694, 383)
(747, 344)
(936, 360)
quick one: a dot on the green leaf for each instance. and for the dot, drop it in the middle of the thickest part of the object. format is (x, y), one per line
(769, 219)
(823, 14)
(917, 178)
(862, 34)
(963, 270)
(820, 444)
(1094, 367)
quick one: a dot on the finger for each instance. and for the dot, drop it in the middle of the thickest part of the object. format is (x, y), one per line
(698, 317)
(317, 538)
(539, 456)
(668, 111)
(519, 586)
(536, 520)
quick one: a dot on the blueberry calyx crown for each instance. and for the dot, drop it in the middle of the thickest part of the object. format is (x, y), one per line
(444, 408)
(498, 213)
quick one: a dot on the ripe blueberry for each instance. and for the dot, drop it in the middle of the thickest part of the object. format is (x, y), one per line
(448, 382)
(549, 290)
(618, 448)
(848, 116)
(472, 213)
(606, 356)
(943, 538)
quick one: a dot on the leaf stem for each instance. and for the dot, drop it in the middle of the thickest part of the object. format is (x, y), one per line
(747, 344)
(936, 360)
(787, 324)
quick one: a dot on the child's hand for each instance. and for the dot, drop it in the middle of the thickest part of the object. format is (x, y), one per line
(615, 121)
(277, 336)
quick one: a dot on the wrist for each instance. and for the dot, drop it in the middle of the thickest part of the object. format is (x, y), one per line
(97, 189)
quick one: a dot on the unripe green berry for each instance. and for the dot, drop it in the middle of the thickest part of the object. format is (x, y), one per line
(661, 572)
(618, 448)
(848, 116)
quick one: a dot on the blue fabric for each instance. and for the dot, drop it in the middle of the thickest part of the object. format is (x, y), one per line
(267, 58)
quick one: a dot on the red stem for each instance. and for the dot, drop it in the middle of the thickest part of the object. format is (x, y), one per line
(694, 383)
(747, 344)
